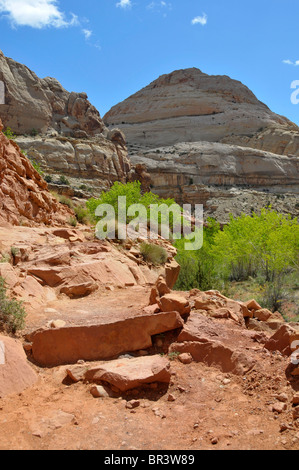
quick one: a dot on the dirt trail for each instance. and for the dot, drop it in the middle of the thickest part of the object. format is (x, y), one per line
(201, 408)
(204, 409)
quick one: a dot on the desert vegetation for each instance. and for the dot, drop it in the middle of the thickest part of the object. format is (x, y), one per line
(154, 254)
(133, 194)
(253, 255)
(260, 251)
(12, 312)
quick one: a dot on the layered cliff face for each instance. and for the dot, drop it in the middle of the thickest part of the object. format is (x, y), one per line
(190, 106)
(24, 195)
(224, 178)
(96, 161)
(208, 139)
(34, 104)
(221, 165)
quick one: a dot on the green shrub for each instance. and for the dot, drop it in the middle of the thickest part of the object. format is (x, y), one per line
(5, 258)
(63, 181)
(261, 246)
(83, 215)
(12, 312)
(132, 192)
(273, 295)
(73, 221)
(15, 251)
(264, 245)
(198, 268)
(154, 254)
(34, 132)
(48, 178)
(9, 133)
(37, 167)
(66, 201)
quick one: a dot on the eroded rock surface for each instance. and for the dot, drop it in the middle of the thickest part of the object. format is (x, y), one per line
(34, 104)
(191, 106)
(15, 372)
(55, 347)
(208, 140)
(96, 162)
(24, 195)
(74, 142)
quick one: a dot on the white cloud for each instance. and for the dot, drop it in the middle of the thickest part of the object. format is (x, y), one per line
(124, 4)
(159, 6)
(200, 20)
(87, 33)
(36, 13)
(290, 62)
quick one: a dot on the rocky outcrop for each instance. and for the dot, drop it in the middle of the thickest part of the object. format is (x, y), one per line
(24, 195)
(190, 106)
(126, 374)
(283, 339)
(220, 165)
(96, 162)
(60, 130)
(15, 372)
(209, 342)
(208, 140)
(54, 347)
(43, 105)
(224, 178)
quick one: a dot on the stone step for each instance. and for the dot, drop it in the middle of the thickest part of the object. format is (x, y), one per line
(55, 347)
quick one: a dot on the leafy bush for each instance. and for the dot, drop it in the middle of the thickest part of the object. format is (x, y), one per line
(14, 251)
(66, 201)
(63, 181)
(198, 268)
(12, 312)
(37, 167)
(273, 295)
(83, 215)
(5, 258)
(48, 178)
(132, 192)
(9, 133)
(154, 254)
(261, 246)
(265, 244)
(73, 221)
(63, 199)
(34, 132)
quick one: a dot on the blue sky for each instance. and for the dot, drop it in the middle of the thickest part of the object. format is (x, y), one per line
(112, 48)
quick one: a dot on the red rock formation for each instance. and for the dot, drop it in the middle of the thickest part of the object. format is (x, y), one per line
(16, 375)
(24, 195)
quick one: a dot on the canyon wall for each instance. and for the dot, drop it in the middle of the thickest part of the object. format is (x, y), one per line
(190, 106)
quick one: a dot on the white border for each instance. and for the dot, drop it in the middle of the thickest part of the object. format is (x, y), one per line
(2, 353)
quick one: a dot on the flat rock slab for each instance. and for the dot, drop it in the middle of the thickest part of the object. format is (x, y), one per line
(127, 374)
(15, 372)
(61, 346)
